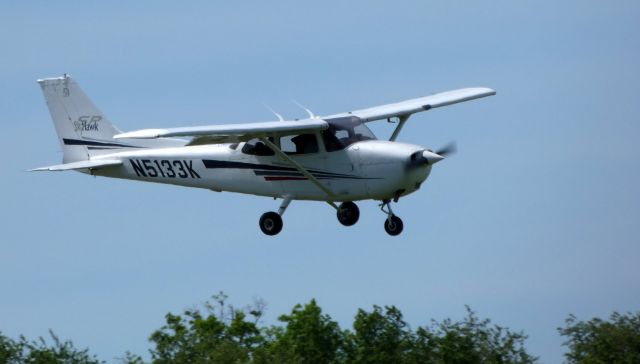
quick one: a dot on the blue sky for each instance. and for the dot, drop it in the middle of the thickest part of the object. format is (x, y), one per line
(535, 218)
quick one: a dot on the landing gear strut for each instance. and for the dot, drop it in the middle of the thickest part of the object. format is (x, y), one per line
(271, 222)
(348, 213)
(393, 224)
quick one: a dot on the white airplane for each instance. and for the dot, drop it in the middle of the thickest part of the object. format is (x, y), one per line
(335, 159)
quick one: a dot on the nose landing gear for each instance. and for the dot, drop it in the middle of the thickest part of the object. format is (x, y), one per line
(393, 224)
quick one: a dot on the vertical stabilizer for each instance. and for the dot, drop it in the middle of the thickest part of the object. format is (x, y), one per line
(82, 129)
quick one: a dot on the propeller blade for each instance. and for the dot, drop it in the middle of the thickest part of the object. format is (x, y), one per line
(447, 150)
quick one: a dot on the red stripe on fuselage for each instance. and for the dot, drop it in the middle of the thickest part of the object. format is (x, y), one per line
(285, 178)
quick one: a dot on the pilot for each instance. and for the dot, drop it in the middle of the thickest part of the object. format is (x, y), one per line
(305, 143)
(261, 149)
(331, 141)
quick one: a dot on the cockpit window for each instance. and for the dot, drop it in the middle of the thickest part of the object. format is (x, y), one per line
(343, 132)
(299, 144)
(256, 147)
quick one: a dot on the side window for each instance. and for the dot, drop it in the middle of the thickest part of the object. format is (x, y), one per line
(299, 144)
(342, 134)
(331, 139)
(256, 147)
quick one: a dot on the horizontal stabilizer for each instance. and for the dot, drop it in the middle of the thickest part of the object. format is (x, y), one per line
(95, 164)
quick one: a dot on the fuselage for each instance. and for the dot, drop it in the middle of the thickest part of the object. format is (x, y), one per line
(370, 169)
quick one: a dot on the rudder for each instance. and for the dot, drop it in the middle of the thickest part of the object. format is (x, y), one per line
(82, 129)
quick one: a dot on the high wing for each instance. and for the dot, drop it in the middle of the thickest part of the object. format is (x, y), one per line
(210, 134)
(408, 107)
(90, 164)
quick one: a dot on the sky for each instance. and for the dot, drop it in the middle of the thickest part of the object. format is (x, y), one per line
(535, 217)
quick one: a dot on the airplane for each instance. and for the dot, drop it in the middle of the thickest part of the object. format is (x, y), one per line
(334, 159)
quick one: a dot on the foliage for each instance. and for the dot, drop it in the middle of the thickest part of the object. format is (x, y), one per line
(378, 337)
(131, 358)
(384, 337)
(308, 337)
(39, 352)
(470, 341)
(220, 333)
(597, 341)
(203, 337)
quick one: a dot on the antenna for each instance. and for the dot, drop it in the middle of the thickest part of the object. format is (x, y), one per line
(273, 111)
(311, 114)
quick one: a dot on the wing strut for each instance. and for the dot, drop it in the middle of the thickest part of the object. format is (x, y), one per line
(403, 119)
(302, 170)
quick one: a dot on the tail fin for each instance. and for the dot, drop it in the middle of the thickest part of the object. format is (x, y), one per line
(82, 129)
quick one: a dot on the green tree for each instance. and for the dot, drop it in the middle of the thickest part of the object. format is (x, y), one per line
(378, 337)
(206, 336)
(10, 351)
(130, 358)
(220, 333)
(470, 341)
(40, 352)
(308, 337)
(598, 341)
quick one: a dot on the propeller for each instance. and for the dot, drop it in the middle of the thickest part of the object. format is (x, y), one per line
(430, 157)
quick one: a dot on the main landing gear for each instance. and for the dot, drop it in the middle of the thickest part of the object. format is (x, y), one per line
(271, 222)
(347, 213)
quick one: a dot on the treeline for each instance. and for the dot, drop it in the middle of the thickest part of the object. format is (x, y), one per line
(221, 333)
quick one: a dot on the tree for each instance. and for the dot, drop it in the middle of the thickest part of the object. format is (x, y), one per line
(598, 341)
(220, 333)
(378, 337)
(471, 341)
(309, 337)
(10, 351)
(205, 337)
(40, 352)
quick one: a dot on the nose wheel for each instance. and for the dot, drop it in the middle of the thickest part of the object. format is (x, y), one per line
(393, 224)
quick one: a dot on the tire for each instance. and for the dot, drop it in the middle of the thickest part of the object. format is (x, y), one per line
(393, 226)
(270, 223)
(348, 213)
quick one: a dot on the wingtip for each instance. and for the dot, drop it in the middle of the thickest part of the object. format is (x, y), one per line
(485, 90)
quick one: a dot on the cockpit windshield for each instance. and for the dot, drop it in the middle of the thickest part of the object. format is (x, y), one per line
(343, 132)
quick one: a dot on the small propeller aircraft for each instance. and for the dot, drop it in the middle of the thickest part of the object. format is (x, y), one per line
(334, 159)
